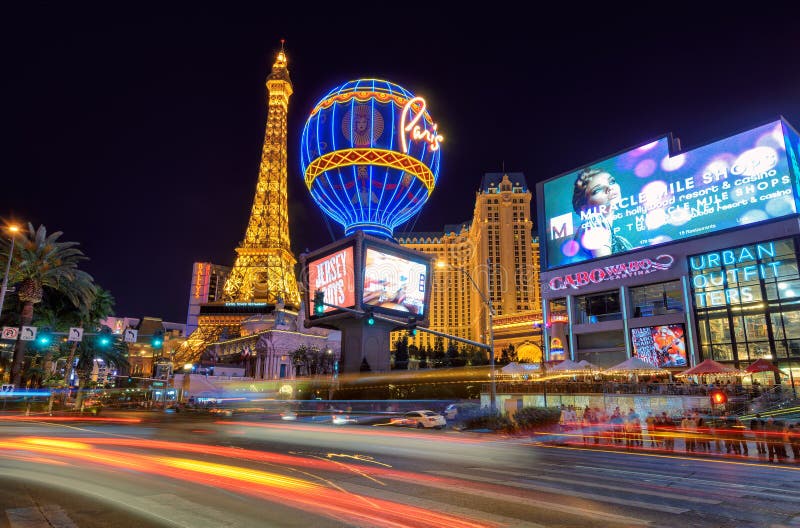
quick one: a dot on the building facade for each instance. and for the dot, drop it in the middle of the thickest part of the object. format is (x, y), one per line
(208, 283)
(493, 257)
(705, 284)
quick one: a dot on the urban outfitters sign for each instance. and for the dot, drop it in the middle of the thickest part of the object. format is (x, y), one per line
(733, 276)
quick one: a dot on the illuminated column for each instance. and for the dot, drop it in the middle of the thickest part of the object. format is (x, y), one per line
(688, 308)
(623, 299)
(570, 317)
(264, 268)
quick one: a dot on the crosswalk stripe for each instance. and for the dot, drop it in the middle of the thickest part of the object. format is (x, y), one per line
(46, 516)
(443, 507)
(615, 487)
(557, 491)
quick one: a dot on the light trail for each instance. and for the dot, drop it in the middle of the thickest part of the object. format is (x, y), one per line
(294, 492)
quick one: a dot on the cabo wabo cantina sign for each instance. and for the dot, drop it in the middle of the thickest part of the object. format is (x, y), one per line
(634, 268)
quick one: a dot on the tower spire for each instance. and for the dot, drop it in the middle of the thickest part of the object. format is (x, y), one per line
(264, 267)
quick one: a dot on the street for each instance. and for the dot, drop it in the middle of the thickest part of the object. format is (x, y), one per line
(152, 469)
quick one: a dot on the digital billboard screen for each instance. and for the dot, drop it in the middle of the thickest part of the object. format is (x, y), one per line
(661, 346)
(334, 274)
(646, 197)
(394, 283)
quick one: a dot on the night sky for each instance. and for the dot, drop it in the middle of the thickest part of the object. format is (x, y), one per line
(137, 131)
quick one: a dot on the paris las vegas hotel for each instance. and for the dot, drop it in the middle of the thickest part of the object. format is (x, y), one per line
(499, 251)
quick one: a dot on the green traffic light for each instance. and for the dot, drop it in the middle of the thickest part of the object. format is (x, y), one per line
(105, 341)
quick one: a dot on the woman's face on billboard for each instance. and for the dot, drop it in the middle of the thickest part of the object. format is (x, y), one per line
(602, 189)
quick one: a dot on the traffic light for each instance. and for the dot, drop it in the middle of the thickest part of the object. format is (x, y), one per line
(104, 338)
(369, 317)
(158, 339)
(44, 338)
(412, 326)
(319, 302)
(719, 397)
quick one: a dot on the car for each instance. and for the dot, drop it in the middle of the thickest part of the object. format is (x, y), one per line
(422, 419)
(461, 411)
(341, 419)
(289, 415)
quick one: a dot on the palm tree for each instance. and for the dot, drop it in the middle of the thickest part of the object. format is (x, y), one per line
(44, 262)
(115, 354)
(101, 307)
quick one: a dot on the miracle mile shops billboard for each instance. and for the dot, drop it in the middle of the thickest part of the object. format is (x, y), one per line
(645, 196)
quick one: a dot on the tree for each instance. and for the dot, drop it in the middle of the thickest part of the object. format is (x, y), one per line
(88, 351)
(401, 354)
(44, 262)
(89, 317)
(437, 357)
(508, 355)
(451, 356)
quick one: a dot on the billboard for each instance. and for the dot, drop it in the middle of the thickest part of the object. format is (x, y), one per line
(645, 196)
(661, 346)
(393, 283)
(334, 274)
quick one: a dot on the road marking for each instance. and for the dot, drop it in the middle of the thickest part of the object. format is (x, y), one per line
(442, 507)
(587, 483)
(660, 477)
(557, 491)
(187, 513)
(546, 505)
(46, 516)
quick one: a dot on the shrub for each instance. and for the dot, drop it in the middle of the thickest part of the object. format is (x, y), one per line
(491, 421)
(530, 417)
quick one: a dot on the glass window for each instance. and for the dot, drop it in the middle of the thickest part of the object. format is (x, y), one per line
(657, 299)
(597, 308)
(729, 288)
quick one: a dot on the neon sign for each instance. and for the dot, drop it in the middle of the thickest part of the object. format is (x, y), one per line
(634, 268)
(432, 137)
(717, 277)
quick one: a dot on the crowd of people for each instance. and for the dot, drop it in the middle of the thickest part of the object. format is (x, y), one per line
(696, 433)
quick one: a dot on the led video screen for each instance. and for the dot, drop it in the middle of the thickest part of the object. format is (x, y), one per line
(393, 283)
(334, 274)
(645, 197)
(661, 346)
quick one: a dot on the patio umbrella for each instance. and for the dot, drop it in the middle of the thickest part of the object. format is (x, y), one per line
(588, 366)
(708, 366)
(761, 365)
(567, 366)
(513, 368)
(634, 365)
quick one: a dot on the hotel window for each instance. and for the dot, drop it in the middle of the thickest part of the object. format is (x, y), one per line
(597, 308)
(657, 299)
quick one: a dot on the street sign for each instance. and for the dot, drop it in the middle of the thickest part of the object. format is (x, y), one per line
(28, 333)
(7, 388)
(10, 332)
(75, 334)
(131, 335)
(158, 384)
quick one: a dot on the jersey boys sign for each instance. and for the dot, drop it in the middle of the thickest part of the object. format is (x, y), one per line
(334, 274)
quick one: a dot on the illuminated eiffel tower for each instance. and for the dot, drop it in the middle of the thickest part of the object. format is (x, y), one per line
(264, 267)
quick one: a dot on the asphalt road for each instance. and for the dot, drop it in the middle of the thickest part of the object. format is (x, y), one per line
(143, 470)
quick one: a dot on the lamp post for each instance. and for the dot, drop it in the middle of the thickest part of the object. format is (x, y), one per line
(13, 230)
(487, 300)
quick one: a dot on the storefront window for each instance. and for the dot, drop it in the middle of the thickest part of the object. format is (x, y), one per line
(600, 307)
(747, 301)
(657, 299)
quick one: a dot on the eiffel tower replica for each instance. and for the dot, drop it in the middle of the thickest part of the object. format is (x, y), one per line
(264, 267)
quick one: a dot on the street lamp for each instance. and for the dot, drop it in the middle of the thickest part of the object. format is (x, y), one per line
(14, 229)
(487, 300)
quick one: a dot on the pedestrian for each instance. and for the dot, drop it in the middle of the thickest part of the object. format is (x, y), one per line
(668, 431)
(757, 427)
(794, 441)
(650, 422)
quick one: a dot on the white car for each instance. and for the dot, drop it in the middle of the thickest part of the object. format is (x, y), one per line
(420, 419)
(341, 419)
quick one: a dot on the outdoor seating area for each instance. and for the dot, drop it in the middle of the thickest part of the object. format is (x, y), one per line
(635, 376)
